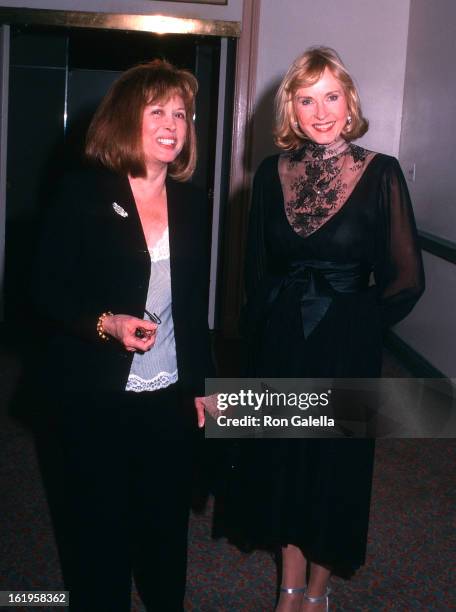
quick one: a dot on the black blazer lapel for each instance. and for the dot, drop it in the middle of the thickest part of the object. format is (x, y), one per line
(176, 225)
(188, 223)
(115, 190)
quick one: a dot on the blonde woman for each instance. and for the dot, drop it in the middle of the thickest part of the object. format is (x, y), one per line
(326, 216)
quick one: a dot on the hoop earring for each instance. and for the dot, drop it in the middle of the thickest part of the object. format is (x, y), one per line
(349, 120)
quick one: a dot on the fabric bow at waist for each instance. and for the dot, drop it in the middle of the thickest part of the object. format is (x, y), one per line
(318, 283)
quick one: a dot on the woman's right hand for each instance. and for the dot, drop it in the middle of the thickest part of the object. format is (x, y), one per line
(123, 328)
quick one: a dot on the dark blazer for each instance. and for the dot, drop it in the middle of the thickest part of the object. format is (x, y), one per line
(92, 260)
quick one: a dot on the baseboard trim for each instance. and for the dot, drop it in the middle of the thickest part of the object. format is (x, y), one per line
(413, 361)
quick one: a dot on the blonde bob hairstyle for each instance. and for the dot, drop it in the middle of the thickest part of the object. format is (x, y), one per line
(114, 137)
(305, 71)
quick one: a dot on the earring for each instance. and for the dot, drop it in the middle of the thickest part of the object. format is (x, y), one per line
(349, 120)
(295, 124)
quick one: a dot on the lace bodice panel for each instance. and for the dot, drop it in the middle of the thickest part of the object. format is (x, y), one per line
(317, 180)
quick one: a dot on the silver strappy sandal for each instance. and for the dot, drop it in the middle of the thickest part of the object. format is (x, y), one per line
(322, 598)
(293, 591)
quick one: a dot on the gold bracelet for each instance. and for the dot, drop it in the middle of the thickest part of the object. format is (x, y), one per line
(100, 329)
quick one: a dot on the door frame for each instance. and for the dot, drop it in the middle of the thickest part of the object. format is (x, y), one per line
(153, 23)
(236, 221)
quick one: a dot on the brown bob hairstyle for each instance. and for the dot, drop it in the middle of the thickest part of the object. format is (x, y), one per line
(306, 70)
(114, 138)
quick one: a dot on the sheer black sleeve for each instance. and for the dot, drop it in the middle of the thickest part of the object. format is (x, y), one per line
(398, 268)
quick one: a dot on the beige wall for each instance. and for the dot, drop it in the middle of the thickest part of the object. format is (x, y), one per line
(429, 122)
(371, 37)
(231, 12)
(428, 134)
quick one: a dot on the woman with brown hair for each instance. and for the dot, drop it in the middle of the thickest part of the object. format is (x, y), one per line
(326, 217)
(122, 282)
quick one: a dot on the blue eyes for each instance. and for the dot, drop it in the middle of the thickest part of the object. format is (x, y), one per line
(308, 101)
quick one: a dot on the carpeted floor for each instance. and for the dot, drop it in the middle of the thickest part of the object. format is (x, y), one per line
(411, 550)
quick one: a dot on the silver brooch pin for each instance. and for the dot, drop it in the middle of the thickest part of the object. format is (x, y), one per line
(119, 210)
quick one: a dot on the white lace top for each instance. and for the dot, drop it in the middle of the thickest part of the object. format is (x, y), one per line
(157, 368)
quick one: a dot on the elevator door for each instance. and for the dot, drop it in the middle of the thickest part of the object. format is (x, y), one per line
(57, 78)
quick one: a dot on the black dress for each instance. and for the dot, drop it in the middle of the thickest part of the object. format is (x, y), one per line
(321, 216)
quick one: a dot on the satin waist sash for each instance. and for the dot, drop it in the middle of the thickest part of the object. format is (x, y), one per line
(318, 283)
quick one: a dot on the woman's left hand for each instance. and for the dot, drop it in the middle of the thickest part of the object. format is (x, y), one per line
(123, 328)
(206, 404)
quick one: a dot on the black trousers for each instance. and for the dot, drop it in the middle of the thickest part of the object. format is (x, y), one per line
(126, 464)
